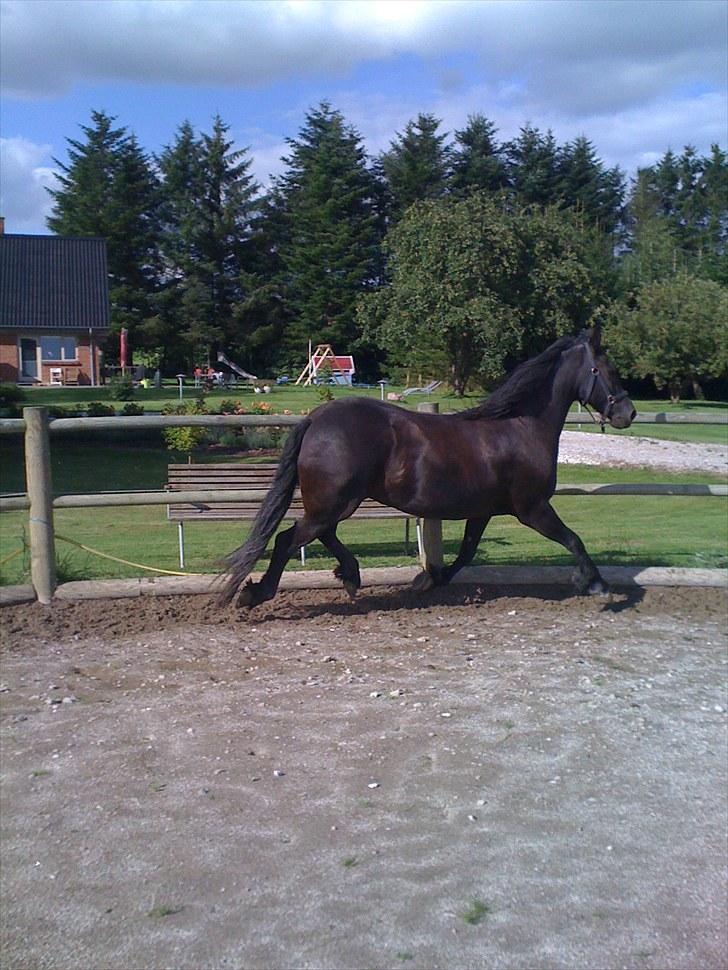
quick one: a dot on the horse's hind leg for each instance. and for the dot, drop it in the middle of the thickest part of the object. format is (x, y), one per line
(348, 569)
(544, 519)
(287, 544)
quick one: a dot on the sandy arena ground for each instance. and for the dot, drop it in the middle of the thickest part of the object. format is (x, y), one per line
(472, 778)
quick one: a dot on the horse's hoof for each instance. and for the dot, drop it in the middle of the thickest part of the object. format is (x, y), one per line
(246, 598)
(423, 582)
(351, 588)
(598, 587)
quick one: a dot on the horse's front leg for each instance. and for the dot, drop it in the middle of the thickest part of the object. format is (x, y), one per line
(474, 529)
(544, 519)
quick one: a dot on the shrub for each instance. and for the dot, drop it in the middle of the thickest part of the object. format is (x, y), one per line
(231, 407)
(131, 409)
(183, 439)
(12, 398)
(96, 409)
(122, 388)
(261, 438)
(230, 438)
(65, 411)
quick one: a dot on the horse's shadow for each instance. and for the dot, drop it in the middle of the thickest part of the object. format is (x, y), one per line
(395, 599)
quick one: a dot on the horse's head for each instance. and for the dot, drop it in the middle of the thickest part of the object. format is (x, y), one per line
(599, 385)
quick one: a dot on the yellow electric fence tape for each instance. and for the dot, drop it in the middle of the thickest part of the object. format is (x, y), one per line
(125, 562)
(11, 556)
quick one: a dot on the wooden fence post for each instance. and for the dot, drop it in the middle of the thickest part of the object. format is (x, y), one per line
(40, 494)
(431, 528)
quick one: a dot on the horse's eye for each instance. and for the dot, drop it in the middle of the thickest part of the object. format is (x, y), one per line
(595, 370)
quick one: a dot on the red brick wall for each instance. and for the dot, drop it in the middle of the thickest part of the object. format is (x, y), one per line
(8, 358)
(79, 371)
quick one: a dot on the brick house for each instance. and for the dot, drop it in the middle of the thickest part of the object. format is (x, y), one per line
(54, 309)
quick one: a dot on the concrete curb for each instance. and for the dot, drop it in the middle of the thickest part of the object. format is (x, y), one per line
(617, 576)
(10, 595)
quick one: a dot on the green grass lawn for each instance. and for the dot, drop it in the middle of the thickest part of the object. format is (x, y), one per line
(298, 399)
(623, 530)
(626, 530)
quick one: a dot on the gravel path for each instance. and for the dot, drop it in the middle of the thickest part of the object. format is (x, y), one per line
(578, 448)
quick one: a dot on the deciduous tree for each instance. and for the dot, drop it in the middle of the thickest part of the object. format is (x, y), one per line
(475, 288)
(674, 333)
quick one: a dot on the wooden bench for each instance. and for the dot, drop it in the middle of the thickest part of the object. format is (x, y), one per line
(231, 476)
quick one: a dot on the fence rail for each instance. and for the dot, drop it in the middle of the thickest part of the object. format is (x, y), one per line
(151, 422)
(79, 500)
(39, 501)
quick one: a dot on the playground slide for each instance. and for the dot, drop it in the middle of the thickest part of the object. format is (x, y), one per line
(222, 359)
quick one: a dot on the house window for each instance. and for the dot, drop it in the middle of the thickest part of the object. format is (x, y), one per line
(58, 348)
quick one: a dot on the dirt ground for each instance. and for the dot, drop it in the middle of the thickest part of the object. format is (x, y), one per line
(471, 778)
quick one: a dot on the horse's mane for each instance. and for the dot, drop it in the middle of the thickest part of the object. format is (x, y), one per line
(522, 383)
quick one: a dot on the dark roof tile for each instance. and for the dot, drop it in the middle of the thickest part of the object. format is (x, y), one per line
(53, 282)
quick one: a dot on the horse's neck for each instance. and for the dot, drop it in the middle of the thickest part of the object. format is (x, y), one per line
(557, 399)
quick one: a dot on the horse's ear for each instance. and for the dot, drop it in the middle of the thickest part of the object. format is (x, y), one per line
(595, 337)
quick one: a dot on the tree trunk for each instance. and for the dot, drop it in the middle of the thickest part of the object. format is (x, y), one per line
(698, 393)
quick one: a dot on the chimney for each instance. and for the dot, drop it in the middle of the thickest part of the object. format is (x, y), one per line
(2, 225)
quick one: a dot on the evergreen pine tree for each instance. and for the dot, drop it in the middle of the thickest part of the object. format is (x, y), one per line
(584, 185)
(416, 166)
(207, 208)
(477, 162)
(714, 237)
(108, 189)
(328, 247)
(533, 167)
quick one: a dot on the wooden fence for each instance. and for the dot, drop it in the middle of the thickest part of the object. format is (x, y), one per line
(40, 501)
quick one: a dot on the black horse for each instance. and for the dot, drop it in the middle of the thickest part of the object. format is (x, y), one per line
(498, 458)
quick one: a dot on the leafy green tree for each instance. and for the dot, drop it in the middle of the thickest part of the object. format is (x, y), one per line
(476, 287)
(327, 232)
(674, 333)
(417, 163)
(108, 189)
(566, 276)
(476, 160)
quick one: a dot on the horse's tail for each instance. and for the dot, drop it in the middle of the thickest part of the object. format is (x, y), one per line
(274, 507)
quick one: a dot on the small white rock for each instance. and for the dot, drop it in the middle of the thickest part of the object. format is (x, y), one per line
(373, 784)
(445, 714)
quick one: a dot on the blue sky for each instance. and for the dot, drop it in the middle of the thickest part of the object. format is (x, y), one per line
(636, 77)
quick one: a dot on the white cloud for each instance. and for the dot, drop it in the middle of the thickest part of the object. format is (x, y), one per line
(635, 76)
(24, 178)
(591, 57)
